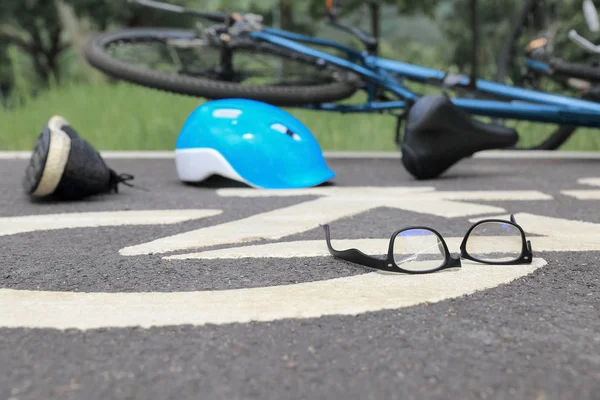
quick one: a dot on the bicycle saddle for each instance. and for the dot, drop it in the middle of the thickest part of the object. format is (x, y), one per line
(438, 134)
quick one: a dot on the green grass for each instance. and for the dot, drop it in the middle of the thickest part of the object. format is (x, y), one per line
(128, 117)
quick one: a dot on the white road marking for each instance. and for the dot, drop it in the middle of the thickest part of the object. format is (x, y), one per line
(292, 249)
(15, 155)
(391, 193)
(539, 154)
(377, 247)
(589, 181)
(494, 195)
(334, 204)
(354, 192)
(268, 225)
(585, 194)
(46, 222)
(552, 226)
(343, 296)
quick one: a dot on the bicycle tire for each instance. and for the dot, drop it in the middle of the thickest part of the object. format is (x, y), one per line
(563, 132)
(345, 84)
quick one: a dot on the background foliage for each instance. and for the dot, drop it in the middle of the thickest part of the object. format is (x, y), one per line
(41, 40)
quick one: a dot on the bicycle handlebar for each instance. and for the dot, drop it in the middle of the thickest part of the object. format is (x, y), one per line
(332, 6)
(368, 40)
(591, 15)
(583, 42)
(211, 16)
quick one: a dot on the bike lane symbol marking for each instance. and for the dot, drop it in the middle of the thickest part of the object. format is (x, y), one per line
(341, 296)
(333, 204)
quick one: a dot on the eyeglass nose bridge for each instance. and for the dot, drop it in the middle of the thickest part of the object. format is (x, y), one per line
(454, 261)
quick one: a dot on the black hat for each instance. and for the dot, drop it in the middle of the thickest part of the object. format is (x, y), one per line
(65, 166)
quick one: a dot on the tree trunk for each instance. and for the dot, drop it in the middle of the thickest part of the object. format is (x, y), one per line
(40, 68)
(286, 15)
(286, 22)
(375, 18)
(38, 55)
(53, 53)
(474, 44)
(78, 36)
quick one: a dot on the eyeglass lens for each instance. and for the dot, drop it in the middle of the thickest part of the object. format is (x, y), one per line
(495, 242)
(418, 250)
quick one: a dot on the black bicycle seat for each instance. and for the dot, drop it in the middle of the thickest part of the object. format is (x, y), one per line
(438, 134)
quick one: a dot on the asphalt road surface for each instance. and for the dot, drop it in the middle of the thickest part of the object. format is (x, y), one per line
(220, 291)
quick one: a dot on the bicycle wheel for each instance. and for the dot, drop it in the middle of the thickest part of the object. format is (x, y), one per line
(180, 61)
(533, 22)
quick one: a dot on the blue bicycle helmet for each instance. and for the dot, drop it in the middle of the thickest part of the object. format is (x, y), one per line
(251, 142)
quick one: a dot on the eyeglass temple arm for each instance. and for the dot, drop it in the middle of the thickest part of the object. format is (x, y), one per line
(354, 255)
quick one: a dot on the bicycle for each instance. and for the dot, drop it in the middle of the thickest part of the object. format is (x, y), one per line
(310, 77)
(528, 56)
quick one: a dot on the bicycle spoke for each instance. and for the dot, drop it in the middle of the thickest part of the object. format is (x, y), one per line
(241, 65)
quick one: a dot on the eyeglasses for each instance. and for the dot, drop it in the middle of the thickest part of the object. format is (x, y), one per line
(420, 250)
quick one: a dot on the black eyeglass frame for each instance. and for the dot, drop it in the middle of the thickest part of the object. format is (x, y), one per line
(526, 256)
(389, 264)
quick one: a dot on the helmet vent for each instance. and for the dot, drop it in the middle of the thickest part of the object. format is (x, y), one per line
(283, 129)
(226, 113)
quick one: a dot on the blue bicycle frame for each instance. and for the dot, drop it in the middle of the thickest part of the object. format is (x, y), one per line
(380, 73)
